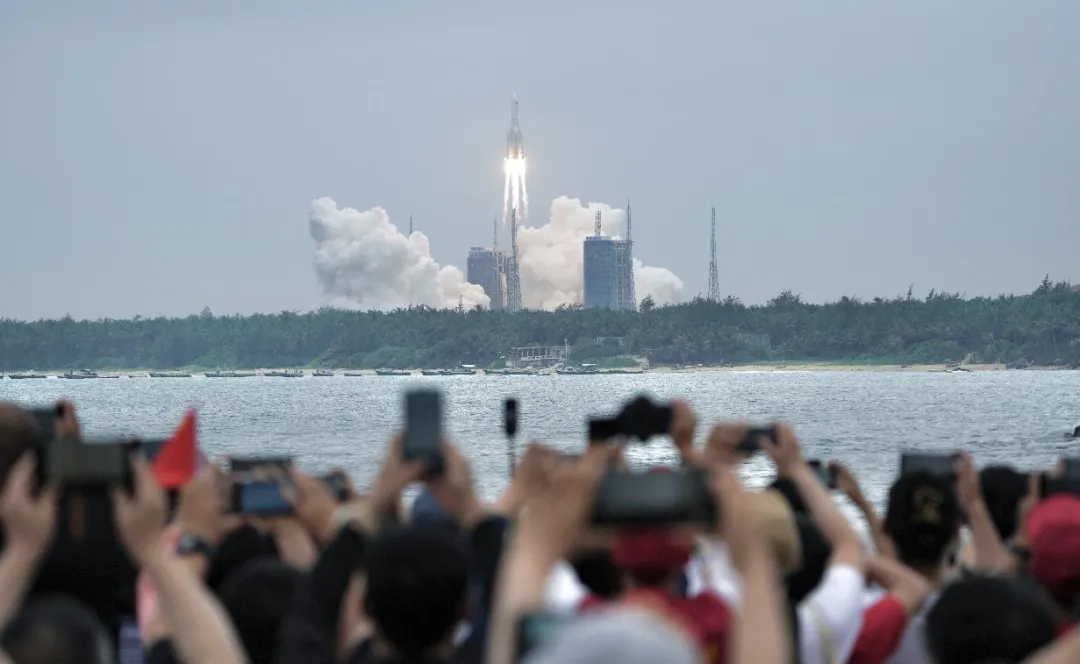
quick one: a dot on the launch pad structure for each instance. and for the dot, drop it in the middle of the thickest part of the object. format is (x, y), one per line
(513, 274)
(608, 269)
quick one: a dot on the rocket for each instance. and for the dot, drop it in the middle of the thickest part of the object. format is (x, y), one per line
(515, 144)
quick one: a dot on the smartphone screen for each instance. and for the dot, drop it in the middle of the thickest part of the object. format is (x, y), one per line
(423, 425)
(245, 464)
(751, 443)
(940, 465)
(260, 499)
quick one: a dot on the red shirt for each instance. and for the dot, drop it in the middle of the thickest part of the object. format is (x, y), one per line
(884, 623)
(705, 616)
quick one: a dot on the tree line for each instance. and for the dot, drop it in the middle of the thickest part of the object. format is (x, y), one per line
(1042, 328)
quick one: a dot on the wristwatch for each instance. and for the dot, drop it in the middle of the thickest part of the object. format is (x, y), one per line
(192, 545)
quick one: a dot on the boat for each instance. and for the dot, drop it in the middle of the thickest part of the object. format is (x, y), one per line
(169, 374)
(392, 372)
(28, 375)
(323, 373)
(434, 372)
(461, 372)
(284, 374)
(354, 374)
(81, 374)
(513, 372)
(583, 370)
(226, 374)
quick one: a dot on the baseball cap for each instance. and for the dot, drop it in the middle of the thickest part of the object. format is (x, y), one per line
(1054, 538)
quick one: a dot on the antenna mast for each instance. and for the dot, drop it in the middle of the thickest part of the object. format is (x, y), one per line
(714, 278)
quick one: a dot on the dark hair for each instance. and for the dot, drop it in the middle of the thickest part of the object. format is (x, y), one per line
(922, 519)
(236, 549)
(257, 597)
(982, 618)
(816, 552)
(1003, 488)
(597, 572)
(417, 587)
(57, 630)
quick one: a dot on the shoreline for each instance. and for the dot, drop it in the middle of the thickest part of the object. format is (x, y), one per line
(814, 367)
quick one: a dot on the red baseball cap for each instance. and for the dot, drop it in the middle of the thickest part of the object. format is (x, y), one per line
(1054, 536)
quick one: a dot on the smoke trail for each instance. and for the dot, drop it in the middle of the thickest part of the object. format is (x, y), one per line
(363, 261)
(551, 257)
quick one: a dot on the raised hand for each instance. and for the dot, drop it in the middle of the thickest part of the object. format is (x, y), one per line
(30, 521)
(140, 517)
(785, 451)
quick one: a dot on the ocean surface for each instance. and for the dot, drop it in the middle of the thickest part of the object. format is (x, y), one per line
(862, 418)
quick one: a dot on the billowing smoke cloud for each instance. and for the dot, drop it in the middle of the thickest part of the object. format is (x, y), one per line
(551, 257)
(363, 261)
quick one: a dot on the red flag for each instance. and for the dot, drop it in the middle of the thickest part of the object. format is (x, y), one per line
(178, 460)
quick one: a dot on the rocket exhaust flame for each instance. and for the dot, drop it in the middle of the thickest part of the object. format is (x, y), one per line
(515, 193)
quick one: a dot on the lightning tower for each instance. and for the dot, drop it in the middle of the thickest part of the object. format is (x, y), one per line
(631, 294)
(515, 194)
(513, 276)
(714, 278)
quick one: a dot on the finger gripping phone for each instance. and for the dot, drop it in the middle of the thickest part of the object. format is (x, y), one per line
(939, 465)
(337, 485)
(655, 498)
(260, 499)
(825, 472)
(751, 442)
(423, 429)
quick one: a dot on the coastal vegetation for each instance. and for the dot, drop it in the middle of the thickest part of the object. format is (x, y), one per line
(1042, 328)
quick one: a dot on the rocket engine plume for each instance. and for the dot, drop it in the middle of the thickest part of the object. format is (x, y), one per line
(515, 193)
(363, 261)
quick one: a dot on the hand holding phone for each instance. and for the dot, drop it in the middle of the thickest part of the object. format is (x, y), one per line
(825, 472)
(625, 498)
(751, 442)
(260, 498)
(936, 464)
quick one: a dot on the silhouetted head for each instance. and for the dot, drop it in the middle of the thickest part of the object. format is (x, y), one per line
(417, 582)
(257, 596)
(815, 558)
(597, 571)
(922, 519)
(1003, 488)
(57, 630)
(984, 619)
(790, 493)
(241, 546)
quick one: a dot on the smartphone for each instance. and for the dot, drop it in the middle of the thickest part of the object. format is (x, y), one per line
(536, 628)
(423, 428)
(625, 498)
(643, 419)
(825, 472)
(510, 417)
(247, 464)
(74, 463)
(939, 465)
(337, 485)
(602, 430)
(260, 499)
(151, 448)
(751, 441)
(45, 418)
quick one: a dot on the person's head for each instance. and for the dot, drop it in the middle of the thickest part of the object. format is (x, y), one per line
(923, 521)
(1053, 530)
(1003, 488)
(239, 547)
(982, 619)
(774, 518)
(596, 570)
(427, 511)
(417, 583)
(257, 596)
(815, 552)
(652, 557)
(787, 489)
(628, 635)
(18, 433)
(57, 630)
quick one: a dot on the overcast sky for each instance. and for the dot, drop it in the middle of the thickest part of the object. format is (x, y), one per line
(153, 161)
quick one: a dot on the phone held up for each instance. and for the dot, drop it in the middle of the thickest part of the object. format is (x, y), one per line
(936, 464)
(825, 472)
(423, 429)
(653, 498)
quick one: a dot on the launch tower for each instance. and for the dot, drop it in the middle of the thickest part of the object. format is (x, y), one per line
(513, 276)
(714, 279)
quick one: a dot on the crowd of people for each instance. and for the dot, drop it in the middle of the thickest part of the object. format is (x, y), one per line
(966, 567)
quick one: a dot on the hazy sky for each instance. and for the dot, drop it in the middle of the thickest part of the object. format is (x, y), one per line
(156, 160)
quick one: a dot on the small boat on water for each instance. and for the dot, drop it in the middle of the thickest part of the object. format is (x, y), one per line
(434, 372)
(323, 373)
(81, 374)
(353, 374)
(169, 374)
(583, 370)
(227, 374)
(27, 375)
(392, 372)
(289, 373)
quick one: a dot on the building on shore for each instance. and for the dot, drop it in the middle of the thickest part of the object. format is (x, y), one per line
(487, 268)
(608, 268)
